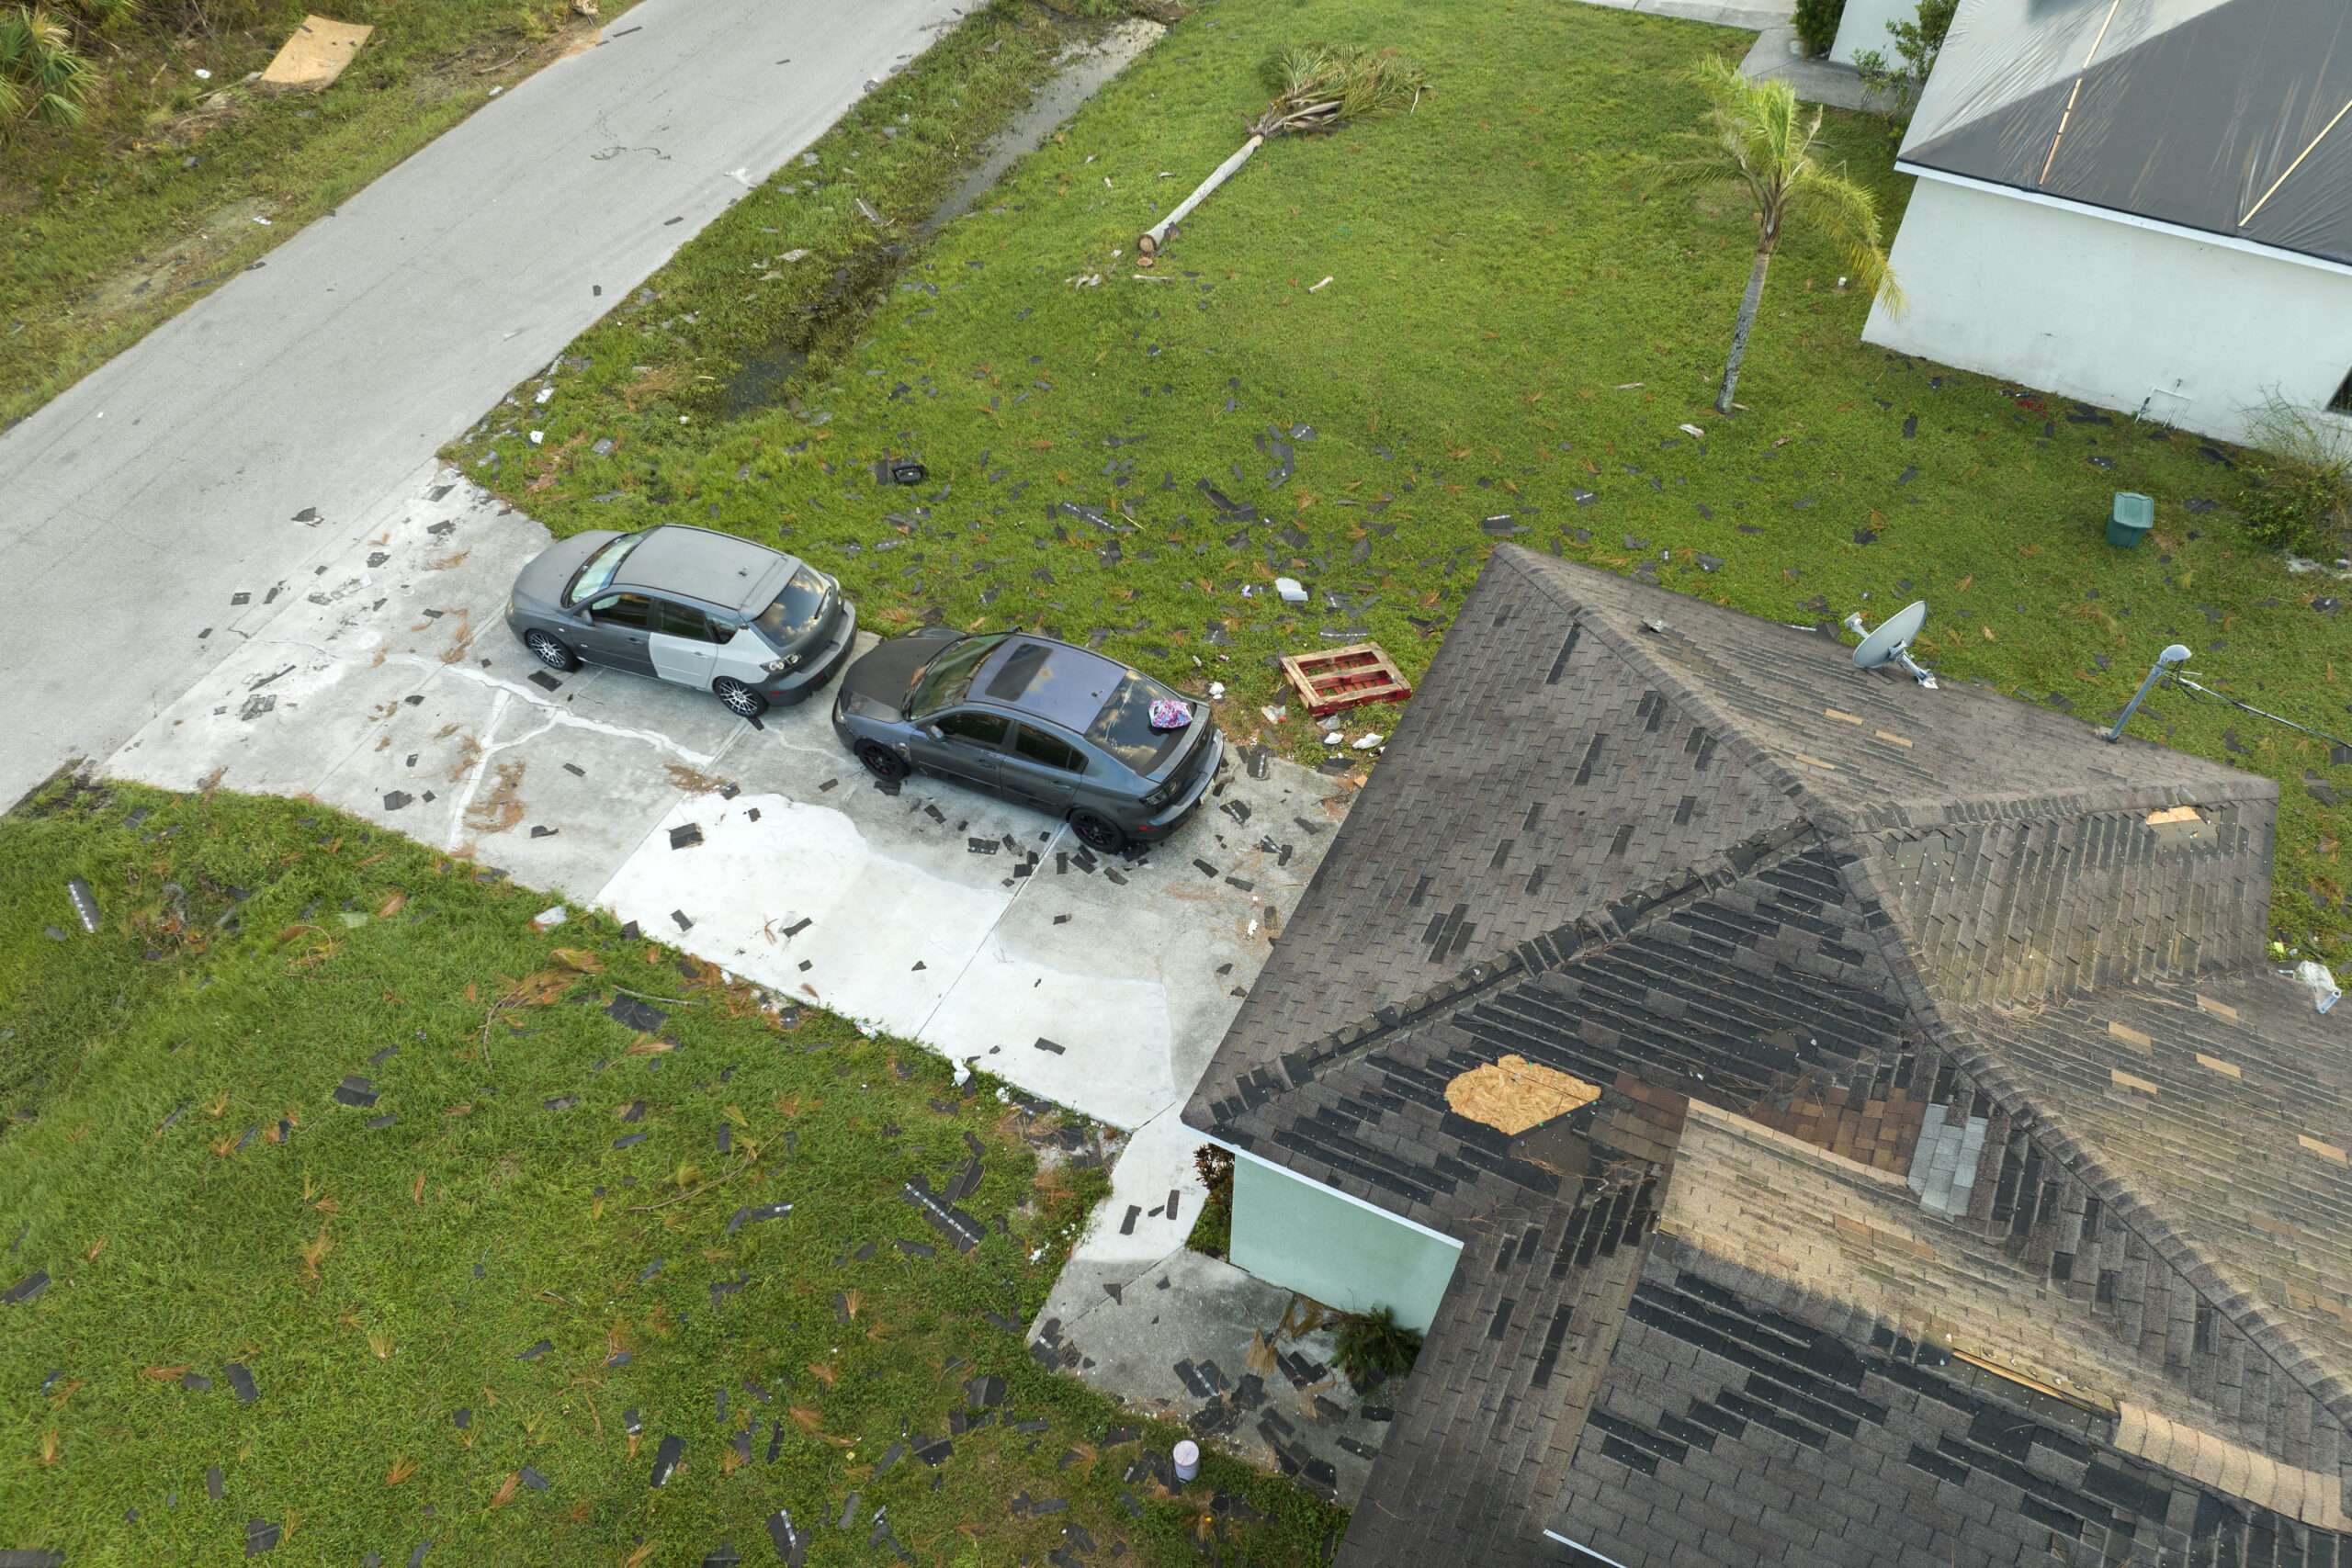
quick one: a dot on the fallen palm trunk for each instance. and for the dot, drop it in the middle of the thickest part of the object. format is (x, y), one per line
(1316, 89)
(1149, 244)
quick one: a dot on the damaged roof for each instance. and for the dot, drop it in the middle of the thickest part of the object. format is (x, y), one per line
(1970, 1004)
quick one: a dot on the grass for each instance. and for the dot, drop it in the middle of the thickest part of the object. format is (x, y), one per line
(1512, 333)
(174, 1160)
(120, 225)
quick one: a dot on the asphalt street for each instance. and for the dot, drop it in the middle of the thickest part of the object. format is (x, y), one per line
(268, 428)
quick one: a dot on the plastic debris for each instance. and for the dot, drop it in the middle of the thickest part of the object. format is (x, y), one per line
(2321, 982)
(1291, 589)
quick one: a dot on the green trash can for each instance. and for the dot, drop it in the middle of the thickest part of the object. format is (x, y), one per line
(2134, 515)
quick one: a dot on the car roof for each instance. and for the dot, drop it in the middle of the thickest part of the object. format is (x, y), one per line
(698, 564)
(1039, 678)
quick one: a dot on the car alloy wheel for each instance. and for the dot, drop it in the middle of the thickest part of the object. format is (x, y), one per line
(549, 652)
(1096, 833)
(741, 700)
(881, 761)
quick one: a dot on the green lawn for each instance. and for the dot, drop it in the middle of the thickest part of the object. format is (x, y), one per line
(1512, 336)
(116, 225)
(472, 1310)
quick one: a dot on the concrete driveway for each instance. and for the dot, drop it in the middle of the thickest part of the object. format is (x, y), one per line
(384, 680)
(261, 433)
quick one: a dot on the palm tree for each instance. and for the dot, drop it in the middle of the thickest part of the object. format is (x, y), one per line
(40, 75)
(1758, 137)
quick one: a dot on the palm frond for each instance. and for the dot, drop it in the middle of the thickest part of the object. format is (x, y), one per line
(1848, 214)
(1319, 87)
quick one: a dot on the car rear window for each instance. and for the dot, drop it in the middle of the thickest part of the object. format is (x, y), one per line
(1123, 726)
(794, 614)
(597, 575)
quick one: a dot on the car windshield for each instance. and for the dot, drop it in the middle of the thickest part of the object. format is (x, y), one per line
(795, 611)
(944, 677)
(1123, 726)
(597, 575)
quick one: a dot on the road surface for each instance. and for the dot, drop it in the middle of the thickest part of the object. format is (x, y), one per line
(252, 438)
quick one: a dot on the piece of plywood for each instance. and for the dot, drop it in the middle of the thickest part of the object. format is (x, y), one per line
(316, 54)
(1515, 1094)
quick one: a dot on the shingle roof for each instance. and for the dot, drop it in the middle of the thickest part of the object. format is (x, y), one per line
(1894, 922)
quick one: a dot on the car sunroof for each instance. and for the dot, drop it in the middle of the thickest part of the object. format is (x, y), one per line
(1020, 668)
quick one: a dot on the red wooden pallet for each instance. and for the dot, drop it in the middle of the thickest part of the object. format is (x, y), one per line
(1340, 678)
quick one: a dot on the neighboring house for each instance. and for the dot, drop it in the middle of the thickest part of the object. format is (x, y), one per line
(1818, 1120)
(2143, 204)
(1861, 28)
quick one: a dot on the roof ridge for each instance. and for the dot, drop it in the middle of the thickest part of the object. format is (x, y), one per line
(1742, 745)
(2139, 1214)
(1548, 949)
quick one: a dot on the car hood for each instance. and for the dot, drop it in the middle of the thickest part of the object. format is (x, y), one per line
(542, 581)
(884, 674)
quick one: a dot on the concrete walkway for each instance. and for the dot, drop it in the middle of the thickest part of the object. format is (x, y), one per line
(1775, 51)
(256, 433)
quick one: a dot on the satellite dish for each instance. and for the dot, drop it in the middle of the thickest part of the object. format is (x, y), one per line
(1891, 643)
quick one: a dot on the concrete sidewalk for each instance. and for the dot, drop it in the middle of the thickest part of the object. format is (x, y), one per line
(260, 431)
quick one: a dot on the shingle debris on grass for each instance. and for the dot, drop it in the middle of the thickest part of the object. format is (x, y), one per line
(630, 1013)
(665, 1458)
(791, 1545)
(754, 1215)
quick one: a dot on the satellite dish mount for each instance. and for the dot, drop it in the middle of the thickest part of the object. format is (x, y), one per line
(1891, 643)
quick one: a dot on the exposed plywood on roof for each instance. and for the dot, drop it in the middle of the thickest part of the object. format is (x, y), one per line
(1514, 1094)
(316, 54)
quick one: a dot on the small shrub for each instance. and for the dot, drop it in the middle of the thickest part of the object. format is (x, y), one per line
(1373, 1345)
(1213, 1232)
(1896, 84)
(2298, 490)
(1816, 23)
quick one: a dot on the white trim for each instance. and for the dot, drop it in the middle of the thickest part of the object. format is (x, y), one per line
(2130, 219)
(1564, 1541)
(1347, 1197)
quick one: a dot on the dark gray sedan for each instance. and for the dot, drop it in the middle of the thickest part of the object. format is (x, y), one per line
(723, 615)
(1122, 757)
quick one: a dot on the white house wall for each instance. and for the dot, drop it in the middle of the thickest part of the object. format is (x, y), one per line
(1863, 26)
(2110, 313)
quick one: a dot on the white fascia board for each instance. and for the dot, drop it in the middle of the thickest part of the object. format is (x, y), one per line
(1347, 1197)
(2130, 219)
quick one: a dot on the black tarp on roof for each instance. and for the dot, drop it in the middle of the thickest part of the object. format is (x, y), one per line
(2229, 116)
